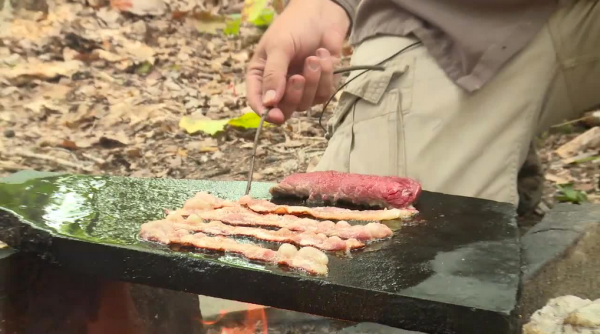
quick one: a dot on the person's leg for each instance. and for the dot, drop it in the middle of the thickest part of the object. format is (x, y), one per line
(575, 34)
(413, 121)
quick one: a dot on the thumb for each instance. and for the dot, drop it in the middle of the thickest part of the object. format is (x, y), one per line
(275, 77)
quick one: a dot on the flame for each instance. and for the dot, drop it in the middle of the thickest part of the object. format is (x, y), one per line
(254, 315)
(212, 322)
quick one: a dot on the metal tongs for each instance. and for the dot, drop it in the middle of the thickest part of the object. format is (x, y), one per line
(258, 129)
(266, 113)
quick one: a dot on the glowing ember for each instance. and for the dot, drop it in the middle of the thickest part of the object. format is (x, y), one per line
(255, 314)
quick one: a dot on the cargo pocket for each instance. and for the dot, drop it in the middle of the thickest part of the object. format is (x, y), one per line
(377, 131)
(365, 128)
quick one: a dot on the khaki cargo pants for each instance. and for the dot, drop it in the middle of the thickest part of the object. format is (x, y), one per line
(411, 120)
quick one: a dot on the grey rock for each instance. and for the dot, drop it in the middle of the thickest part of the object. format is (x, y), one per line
(560, 257)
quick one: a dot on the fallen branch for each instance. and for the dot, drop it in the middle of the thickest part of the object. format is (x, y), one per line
(55, 160)
(97, 160)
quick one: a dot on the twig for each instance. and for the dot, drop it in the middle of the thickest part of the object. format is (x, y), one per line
(311, 138)
(69, 152)
(569, 122)
(218, 173)
(99, 161)
(57, 161)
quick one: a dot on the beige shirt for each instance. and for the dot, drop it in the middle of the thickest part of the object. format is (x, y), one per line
(470, 39)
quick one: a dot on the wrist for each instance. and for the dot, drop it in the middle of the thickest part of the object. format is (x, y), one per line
(342, 15)
(335, 11)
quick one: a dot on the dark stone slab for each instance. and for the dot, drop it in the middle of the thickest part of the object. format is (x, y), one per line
(451, 270)
(371, 328)
(38, 297)
(561, 257)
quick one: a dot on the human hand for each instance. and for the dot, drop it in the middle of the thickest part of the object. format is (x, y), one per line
(292, 67)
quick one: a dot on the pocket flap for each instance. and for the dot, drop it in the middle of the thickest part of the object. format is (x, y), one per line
(371, 86)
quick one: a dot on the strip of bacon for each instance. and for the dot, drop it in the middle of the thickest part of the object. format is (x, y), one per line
(309, 238)
(263, 206)
(240, 216)
(308, 259)
(206, 201)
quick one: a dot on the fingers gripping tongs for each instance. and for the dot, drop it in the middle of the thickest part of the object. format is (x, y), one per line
(266, 113)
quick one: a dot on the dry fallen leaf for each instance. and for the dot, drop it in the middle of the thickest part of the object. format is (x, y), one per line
(557, 179)
(590, 138)
(182, 152)
(68, 144)
(110, 140)
(140, 7)
(592, 118)
(206, 145)
(134, 152)
(24, 73)
(207, 22)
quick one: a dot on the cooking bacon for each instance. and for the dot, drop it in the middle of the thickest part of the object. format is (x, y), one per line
(317, 240)
(240, 216)
(162, 231)
(237, 214)
(263, 206)
(308, 259)
(361, 189)
(206, 201)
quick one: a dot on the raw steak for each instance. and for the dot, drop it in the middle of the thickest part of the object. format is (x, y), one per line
(360, 189)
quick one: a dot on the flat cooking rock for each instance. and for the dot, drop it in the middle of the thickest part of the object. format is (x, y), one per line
(454, 269)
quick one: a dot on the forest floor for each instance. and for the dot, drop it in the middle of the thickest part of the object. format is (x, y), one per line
(97, 90)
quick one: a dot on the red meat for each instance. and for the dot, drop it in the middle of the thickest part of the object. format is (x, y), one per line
(360, 189)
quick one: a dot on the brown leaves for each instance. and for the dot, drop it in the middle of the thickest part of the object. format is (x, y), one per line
(588, 139)
(572, 166)
(113, 139)
(140, 7)
(27, 72)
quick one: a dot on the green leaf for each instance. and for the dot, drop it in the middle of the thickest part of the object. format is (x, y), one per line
(143, 68)
(568, 194)
(264, 19)
(588, 159)
(208, 126)
(248, 121)
(253, 9)
(232, 27)
(211, 127)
